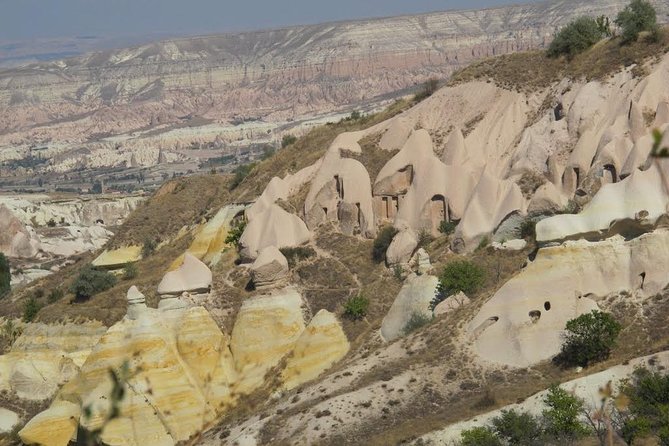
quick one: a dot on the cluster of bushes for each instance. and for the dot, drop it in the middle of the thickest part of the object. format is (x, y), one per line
(638, 412)
(288, 140)
(240, 173)
(91, 281)
(149, 247)
(637, 17)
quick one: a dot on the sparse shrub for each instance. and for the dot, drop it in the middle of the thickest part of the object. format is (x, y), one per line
(235, 232)
(39, 293)
(148, 247)
(30, 309)
(398, 272)
(589, 338)
(51, 223)
(637, 17)
(576, 37)
(382, 242)
(572, 207)
(355, 115)
(240, 173)
(129, 271)
(416, 321)
(485, 241)
(427, 89)
(268, 151)
(288, 140)
(528, 229)
(297, 254)
(424, 238)
(10, 332)
(518, 428)
(460, 276)
(55, 295)
(529, 182)
(447, 227)
(561, 417)
(92, 281)
(479, 436)
(5, 276)
(356, 307)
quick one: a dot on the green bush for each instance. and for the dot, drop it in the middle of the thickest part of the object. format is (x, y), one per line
(51, 223)
(288, 140)
(235, 232)
(240, 173)
(30, 309)
(297, 254)
(447, 227)
(648, 394)
(92, 281)
(576, 37)
(479, 436)
(149, 247)
(424, 238)
(5, 276)
(460, 276)
(588, 338)
(416, 321)
(382, 242)
(637, 17)
(129, 271)
(517, 428)
(562, 415)
(356, 307)
(55, 295)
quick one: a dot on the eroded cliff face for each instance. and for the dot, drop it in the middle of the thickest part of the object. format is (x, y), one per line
(249, 86)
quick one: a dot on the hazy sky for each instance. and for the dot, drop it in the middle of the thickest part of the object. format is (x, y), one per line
(27, 19)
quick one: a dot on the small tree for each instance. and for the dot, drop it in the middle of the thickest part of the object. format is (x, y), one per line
(30, 309)
(637, 17)
(479, 436)
(241, 172)
(235, 232)
(55, 295)
(427, 89)
(382, 242)
(576, 37)
(648, 395)
(460, 276)
(517, 428)
(447, 227)
(561, 417)
(589, 338)
(92, 281)
(5, 275)
(356, 307)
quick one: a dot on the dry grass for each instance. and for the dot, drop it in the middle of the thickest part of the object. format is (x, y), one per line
(372, 157)
(533, 70)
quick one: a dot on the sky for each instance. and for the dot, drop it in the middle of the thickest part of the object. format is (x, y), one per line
(37, 19)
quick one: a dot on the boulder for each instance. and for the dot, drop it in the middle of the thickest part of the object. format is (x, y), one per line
(272, 226)
(55, 426)
(522, 324)
(269, 269)
(451, 303)
(321, 344)
(15, 238)
(402, 247)
(266, 329)
(193, 276)
(8, 421)
(414, 298)
(511, 245)
(118, 258)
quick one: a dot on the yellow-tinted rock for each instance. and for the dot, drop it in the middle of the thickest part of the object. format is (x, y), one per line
(179, 373)
(321, 344)
(54, 427)
(266, 329)
(209, 241)
(118, 258)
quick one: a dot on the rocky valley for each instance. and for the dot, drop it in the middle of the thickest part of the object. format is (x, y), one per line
(410, 275)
